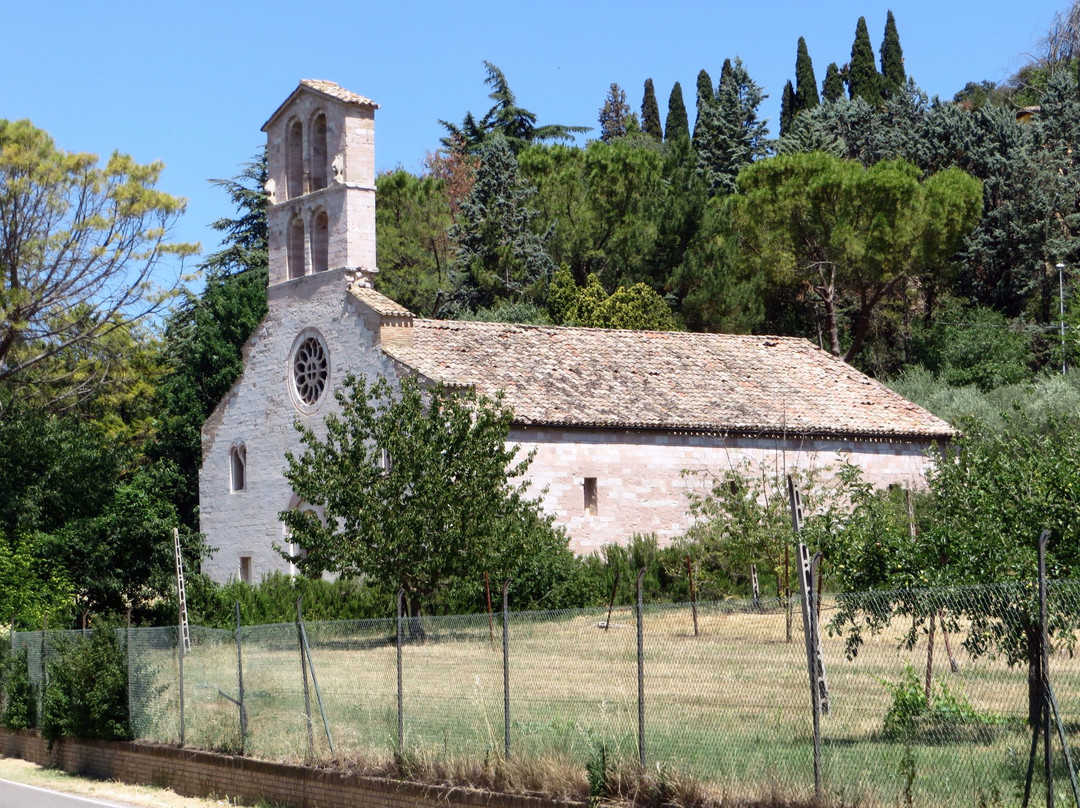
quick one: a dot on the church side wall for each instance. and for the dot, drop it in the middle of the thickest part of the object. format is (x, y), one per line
(259, 412)
(639, 482)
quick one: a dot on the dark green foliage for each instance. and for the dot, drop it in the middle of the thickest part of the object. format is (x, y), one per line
(706, 96)
(911, 714)
(505, 118)
(863, 79)
(806, 92)
(637, 306)
(665, 571)
(729, 135)
(893, 77)
(787, 108)
(677, 124)
(614, 114)
(244, 237)
(86, 695)
(414, 249)
(398, 467)
(20, 699)
(500, 257)
(832, 88)
(650, 113)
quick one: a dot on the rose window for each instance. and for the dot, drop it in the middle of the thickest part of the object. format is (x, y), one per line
(310, 370)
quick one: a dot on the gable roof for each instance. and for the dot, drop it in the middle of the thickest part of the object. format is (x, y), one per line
(558, 376)
(327, 88)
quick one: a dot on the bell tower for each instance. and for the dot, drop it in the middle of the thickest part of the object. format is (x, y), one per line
(321, 166)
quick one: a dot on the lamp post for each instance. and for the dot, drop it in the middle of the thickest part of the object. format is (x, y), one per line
(1061, 309)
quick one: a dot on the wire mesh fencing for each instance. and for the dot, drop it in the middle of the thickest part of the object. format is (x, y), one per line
(933, 708)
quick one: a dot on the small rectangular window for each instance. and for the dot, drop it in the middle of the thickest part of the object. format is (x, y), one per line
(238, 468)
(245, 569)
(590, 496)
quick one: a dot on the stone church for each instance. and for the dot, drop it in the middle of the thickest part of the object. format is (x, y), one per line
(615, 417)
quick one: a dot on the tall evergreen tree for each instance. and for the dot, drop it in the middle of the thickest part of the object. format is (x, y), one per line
(832, 89)
(863, 79)
(732, 135)
(650, 113)
(706, 97)
(892, 60)
(806, 93)
(614, 114)
(787, 108)
(677, 124)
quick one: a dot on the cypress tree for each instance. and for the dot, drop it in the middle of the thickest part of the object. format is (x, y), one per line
(892, 60)
(705, 98)
(614, 114)
(787, 108)
(806, 93)
(677, 124)
(650, 112)
(832, 89)
(863, 79)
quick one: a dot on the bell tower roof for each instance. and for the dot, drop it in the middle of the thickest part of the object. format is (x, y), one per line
(327, 88)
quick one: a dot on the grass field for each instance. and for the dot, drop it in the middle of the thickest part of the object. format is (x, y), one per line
(730, 707)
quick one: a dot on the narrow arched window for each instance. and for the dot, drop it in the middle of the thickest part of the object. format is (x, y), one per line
(295, 248)
(320, 242)
(294, 160)
(320, 167)
(238, 468)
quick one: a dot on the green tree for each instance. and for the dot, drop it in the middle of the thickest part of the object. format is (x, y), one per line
(412, 221)
(636, 307)
(706, 97)
(500, 257)
(832, 88)
(731, 133)
(893, 77)
(863, 80)
(80, 247)
(415, 490)
(614, 114)
(650, 113)
(806, 92)
(845, 232)
(677, 124)
(506, 118)
(787, 108)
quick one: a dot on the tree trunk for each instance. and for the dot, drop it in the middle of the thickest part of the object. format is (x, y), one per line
(416, 626)
(1033, 635)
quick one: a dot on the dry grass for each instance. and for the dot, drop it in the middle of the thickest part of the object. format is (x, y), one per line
(729, 708)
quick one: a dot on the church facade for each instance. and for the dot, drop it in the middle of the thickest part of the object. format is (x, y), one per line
(615, 417)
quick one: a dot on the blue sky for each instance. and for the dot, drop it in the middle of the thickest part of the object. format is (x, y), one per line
(191, 83)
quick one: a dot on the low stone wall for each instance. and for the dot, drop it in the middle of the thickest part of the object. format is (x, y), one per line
(200, 774)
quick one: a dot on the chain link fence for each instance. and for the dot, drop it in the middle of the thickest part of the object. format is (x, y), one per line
(727, 704)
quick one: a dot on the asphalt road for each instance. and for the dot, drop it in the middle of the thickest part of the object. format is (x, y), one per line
(17, 795)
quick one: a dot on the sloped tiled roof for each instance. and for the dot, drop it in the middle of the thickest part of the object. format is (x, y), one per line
(663, 380)
(327, 88)
(379, 303)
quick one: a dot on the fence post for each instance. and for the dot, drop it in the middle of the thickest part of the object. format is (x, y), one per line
(314, 682)
(1048, 755)
(130, 690)
(240, 683)
(693, 592)
(641, 668)
(506, 669)
(180, 664)
(400, 699)
(303, 672)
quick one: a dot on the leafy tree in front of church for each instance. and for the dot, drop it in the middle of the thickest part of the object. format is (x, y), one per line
(418, 489)
(677, 124)
(500, 257)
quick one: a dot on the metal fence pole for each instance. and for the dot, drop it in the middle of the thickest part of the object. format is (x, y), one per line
(303, 673)
(641, 668)
(130, 682)
(506, 669)
(1048, 754)
(400, 697)
(180, 663)
(315, 683)
(240, 682)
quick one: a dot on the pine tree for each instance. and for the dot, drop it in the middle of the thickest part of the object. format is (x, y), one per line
(677, 124)
(650, 113)
(892, 60)
(832, 89)
(787, 108)
(613, 114)
(732, 135)
(706, 97)
(863, 79)
(806, 93)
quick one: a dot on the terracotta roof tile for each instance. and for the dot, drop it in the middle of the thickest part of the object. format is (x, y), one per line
(379, 303)
(663, 380)
(337, 91)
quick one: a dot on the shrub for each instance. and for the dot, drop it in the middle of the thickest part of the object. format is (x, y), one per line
(87, 691)
(911, 712)
(20, 708)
